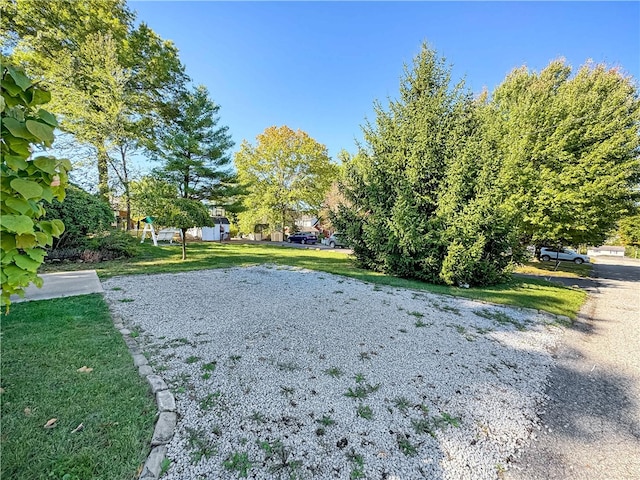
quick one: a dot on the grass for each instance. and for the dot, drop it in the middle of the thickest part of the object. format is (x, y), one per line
(565, 269)
(44, 344)
(521, 292)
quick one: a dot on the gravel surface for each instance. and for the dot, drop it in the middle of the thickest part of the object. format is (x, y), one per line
(287, 373)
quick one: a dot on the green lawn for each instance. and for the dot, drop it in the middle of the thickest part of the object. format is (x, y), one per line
(548, 269)
(43, 345)
(202, 255)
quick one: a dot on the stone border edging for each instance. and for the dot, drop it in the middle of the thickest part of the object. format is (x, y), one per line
(165, 402)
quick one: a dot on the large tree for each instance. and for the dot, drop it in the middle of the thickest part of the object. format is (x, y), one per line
(287, 173)
(194, 149)
(569, 147)
(105, 71)
(421, 191)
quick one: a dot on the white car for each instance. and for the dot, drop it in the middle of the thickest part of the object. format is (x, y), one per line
(566, 254)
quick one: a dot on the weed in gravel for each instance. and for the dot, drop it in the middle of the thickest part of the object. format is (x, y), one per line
(446, 419)
(405, 446)
(359, 378)
(364, 356)
(209, 367)
(165, 465)
(135, 333)
(287, 390)
(326, 421)
(416, 314)
(364, 411)
(447, 308)
(422, 426)
(334, 372)
(402, 330)
(420, 323)
(116, 289)
(278, 456)
(358, 465)
(401, 403)
(288, 366)
(258, 417)
(210, 401)
(238, 462)
(235, 358)
(205, 376)
(191, 359)
(200, 445)
(499, 317)
(483, 331)
(361, 392)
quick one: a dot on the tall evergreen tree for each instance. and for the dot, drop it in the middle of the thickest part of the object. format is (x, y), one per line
(420, 193)
(194, 149)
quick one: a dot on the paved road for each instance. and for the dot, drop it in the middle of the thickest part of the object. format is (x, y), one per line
(591, 427)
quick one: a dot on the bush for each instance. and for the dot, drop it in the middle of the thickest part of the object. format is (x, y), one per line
(110, 245)
(83, 215)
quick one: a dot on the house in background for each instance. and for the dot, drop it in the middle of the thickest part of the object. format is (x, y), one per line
(606, 250)
(307, 223)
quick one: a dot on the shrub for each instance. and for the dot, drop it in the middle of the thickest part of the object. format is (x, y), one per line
(83, 215)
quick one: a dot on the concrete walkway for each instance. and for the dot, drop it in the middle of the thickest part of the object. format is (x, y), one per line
(62, 284)
(591, 426)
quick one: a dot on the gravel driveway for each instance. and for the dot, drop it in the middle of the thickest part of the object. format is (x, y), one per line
(287, 373)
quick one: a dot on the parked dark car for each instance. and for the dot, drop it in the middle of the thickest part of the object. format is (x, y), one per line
(302, 237)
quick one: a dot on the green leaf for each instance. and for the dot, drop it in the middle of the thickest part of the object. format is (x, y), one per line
(10, 86)
(27, 263)
(2, 104)
(26, 188)
(19, 77)
(44, 239)
(17, 223)
(41, 131)
(7, 242)
(47, 117)
(40, 97)
(7, 257)
(25, 241)
(17, 128)
(19, 146)
(19, 205)
(37, 254)
(58, 227)
(47, 194)
(15, 163)
(46, 164)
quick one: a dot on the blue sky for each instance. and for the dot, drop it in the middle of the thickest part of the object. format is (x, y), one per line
(319, 66)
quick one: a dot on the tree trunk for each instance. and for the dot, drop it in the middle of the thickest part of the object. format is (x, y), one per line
(103, 173)
(283, 215)
(184, 243)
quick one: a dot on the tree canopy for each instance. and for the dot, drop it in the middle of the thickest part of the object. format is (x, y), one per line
(111, 78)
(569, 150)
(287, 173)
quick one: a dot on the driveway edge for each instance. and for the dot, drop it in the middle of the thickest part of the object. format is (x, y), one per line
(165, 402)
